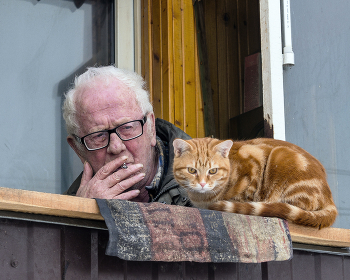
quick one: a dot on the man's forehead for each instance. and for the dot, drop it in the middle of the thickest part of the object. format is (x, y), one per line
(99, 95)
(103, 107)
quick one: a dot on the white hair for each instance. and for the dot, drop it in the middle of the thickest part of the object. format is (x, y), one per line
(105, 74)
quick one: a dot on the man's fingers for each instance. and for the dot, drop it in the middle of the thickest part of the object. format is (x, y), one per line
(109, 168)
(88, 173)
(122, 174)
(127, 195)
(125, 184)
(115, 184)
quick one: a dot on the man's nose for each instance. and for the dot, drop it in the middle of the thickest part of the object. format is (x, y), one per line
(116, 145)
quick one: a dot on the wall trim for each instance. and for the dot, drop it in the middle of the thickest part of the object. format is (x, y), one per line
(272, 67)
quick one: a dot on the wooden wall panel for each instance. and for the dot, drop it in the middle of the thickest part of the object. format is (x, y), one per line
(223, 111)
(167, 94)
(233, 32)
(189, 53)
(176, 63)
(242, 22)
(145, 64)
(156, 57)
(199, 102)
(36, 250)
(253, 27)
(172, 71)
(210, 29)
(170, 62)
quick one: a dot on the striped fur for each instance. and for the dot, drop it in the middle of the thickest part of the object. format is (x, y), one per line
(262, 177)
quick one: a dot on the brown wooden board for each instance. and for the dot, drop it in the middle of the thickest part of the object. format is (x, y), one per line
(35, 250)
(84, 208)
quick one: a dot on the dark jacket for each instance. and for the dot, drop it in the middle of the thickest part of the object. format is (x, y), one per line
(168, 191)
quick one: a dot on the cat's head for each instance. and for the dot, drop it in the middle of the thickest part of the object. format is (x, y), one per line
(201, 164)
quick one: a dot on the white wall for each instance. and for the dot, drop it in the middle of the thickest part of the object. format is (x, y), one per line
(43, 44)
(316, 89)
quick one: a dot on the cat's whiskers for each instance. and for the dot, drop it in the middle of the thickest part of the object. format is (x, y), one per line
(214, 192)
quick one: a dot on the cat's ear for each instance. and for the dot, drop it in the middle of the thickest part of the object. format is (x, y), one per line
(180, 146)
(224, 148)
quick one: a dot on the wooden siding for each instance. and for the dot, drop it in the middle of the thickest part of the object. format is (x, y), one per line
(233, 32)
(36, 250)
(170, 59)
(62, 206)
(170, 63)
(51, 236)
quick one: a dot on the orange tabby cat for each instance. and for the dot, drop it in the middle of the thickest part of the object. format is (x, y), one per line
(262, 177)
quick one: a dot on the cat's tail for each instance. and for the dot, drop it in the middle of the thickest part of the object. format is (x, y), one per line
(318, 219)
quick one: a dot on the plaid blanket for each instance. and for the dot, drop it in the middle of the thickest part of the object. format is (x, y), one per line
(159, 232)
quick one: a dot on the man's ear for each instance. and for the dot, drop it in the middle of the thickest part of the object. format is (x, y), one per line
(152, 120)
(72, 142)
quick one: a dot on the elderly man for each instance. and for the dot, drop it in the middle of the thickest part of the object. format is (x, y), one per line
(127, 153)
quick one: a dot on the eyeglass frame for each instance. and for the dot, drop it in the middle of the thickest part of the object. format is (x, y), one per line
(110, 131)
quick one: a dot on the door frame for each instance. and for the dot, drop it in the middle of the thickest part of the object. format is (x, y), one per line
(272, 68)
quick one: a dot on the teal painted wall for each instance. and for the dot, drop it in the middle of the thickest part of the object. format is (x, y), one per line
(43, 45)
(317, 91)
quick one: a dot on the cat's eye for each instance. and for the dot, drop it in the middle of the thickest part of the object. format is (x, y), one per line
(191, 170)
(213, 171)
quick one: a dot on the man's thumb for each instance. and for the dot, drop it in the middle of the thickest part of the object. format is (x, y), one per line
(87, 173)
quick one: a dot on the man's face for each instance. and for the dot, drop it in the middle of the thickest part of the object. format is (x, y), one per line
(105, 107)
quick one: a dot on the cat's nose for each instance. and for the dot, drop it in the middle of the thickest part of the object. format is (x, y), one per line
(202, 184)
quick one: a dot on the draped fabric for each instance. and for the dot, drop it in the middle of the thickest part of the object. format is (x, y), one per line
(160, 232)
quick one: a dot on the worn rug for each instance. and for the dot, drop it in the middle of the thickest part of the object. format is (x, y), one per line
(160, 232)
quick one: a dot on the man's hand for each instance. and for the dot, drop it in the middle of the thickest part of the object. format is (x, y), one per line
(108, 183)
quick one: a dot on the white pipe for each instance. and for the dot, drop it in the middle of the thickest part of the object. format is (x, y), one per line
(288, 54)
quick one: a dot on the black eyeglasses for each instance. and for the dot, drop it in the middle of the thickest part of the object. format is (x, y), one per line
(100, 139)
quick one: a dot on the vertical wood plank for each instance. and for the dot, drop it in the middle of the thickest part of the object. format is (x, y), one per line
(211, 41)
(144, 42)
(150, 61)
(280, 270)
(44, 250)
(77, 253)
(204, 73)
(199, 101)
(178, 63)
(156, 58)
(234, 76)
(227, 271)
(172, 57)
(253, 26)
(330, 266)
(167, 95)
(243, 42)
(190, 114)
(170, 271)
(303, 265)
(94, 254)
(196, 271)
(109, 268)
(249, 271)
(233, 32)
(222, 68)
(171, 62)
(28, 251)
(346, 267)
(136, 270)
(238, 33)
